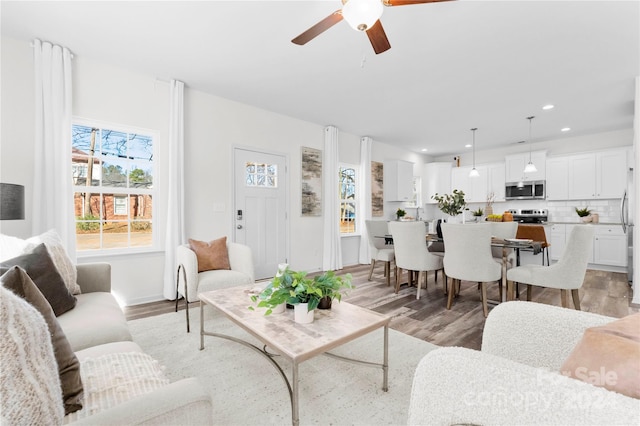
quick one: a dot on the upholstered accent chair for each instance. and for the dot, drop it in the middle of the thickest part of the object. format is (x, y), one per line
(378, 248)
(409, 240)
(567, 274)
(190, 283)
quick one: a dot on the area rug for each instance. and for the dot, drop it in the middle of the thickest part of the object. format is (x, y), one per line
(247, 390)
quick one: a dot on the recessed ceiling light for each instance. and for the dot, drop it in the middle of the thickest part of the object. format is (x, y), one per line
(565, 129)
(424, 149)
(468, 145)
(548, 107)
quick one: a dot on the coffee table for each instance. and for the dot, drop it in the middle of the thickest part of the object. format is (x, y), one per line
(295, 342)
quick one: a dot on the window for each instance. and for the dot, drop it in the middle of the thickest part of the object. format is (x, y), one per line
(261, 175)
(113, 169)
(347, 199)
(416, 199)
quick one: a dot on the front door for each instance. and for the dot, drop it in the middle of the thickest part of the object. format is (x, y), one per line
(260, 208)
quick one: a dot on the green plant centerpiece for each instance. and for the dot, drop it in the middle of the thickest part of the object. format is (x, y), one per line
(451, 204)
(295, 287)
(400, 213)
(477, 213)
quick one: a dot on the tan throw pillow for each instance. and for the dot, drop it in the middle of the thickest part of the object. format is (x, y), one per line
(17, 280)
(212, 255)
(609, 356)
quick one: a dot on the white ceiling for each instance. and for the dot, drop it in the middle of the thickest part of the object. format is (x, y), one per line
(452, 65)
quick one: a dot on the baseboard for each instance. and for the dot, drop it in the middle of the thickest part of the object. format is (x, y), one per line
(143, 300)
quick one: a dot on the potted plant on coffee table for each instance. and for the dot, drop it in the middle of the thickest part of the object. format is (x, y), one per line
(330, 284)
(304, 293)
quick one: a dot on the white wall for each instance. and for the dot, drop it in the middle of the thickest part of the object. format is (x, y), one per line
(213, 127)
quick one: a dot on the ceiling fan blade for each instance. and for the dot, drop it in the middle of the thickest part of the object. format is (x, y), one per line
(408, 2)
(318, 28)
(378, 38)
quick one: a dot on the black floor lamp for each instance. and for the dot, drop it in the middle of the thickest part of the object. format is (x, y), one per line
(11, 201)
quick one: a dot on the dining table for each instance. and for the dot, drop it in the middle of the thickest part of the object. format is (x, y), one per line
(505, 244)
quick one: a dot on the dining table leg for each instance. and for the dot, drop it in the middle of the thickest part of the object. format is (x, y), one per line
(505, 283)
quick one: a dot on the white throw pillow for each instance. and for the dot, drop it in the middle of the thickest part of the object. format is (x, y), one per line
(29, 380)
(115, 378)
(11, 247)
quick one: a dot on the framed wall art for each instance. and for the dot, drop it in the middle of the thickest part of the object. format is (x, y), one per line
(311, 185)
(377, 189)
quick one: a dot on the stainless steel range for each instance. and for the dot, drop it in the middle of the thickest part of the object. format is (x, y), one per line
(530, 215)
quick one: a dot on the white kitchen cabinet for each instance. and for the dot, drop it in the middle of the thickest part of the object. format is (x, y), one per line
(515, 164)
(610, 246)
(597, 175)
(398, 180)
(582, 176)
(438, 180)
(557, 178)
(496, 181)
(611, 173)
(460, 181)
(474, 188)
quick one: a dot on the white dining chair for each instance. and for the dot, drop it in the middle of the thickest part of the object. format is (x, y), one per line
(468, 257)
(409, 240)
(503, 231)
(378, 248)
(567, 274)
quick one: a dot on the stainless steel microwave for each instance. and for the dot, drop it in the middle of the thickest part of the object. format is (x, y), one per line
(532, 190)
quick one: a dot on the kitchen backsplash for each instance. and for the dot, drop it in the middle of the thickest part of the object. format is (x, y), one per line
(559, 211)
(564, 211)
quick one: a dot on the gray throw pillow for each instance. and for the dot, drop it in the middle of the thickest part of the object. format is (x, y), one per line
(17, 280)
(43, 272)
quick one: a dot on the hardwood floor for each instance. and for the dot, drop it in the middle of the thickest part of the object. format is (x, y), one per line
(605, 293)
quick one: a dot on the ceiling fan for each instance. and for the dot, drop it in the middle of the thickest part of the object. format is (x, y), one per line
(362, 15)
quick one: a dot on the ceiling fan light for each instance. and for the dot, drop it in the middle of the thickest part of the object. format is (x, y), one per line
(362, 14)
(530, 168)
(474, 173)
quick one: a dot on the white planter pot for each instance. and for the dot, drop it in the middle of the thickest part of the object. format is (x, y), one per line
(301, 313)
(278, 309)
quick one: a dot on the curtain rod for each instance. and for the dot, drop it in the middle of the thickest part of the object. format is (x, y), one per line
(32, 44)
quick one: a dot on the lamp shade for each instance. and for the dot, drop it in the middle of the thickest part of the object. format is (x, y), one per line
(362, 14)
(530, 168)
(11, 201)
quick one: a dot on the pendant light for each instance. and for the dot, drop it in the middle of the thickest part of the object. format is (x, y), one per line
(530, 167)
(474, 171)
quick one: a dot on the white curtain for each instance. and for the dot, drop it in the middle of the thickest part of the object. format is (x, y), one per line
(364, 198)
(332, 251)
(52, 191)
(175, 234)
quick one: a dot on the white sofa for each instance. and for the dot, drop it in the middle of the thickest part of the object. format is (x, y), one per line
(96, 327)
(120, 384)
(515, 378)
